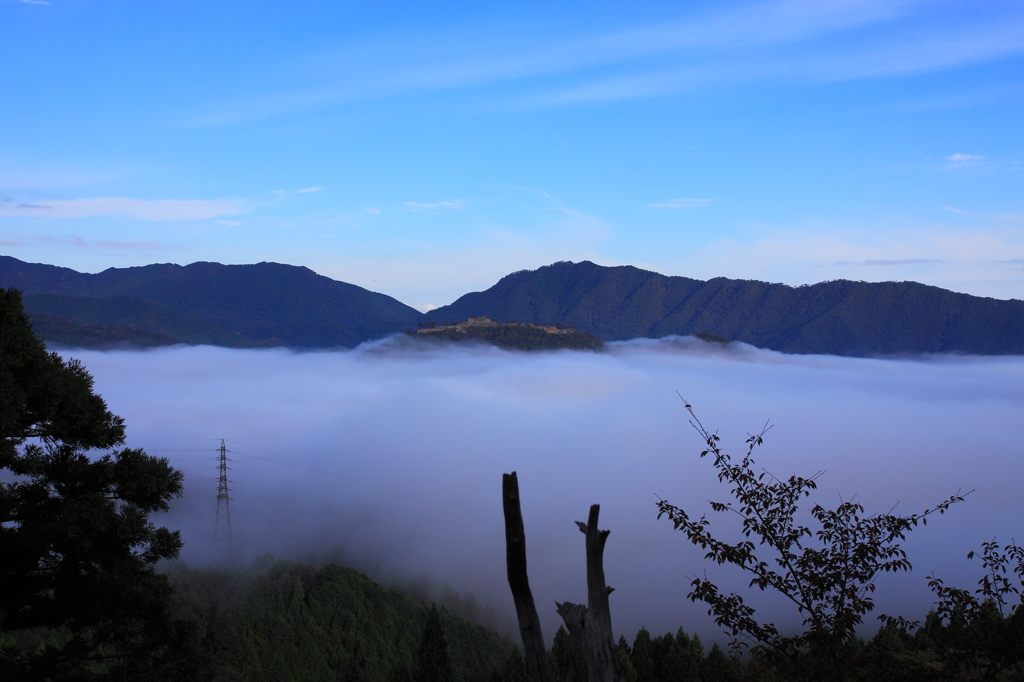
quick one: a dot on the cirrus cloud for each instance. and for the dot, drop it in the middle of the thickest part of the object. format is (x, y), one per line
(157, 210)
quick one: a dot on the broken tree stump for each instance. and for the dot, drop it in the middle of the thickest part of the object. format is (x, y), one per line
(591, 625)
(515, 559)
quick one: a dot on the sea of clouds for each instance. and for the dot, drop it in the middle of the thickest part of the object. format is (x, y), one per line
(395, 450)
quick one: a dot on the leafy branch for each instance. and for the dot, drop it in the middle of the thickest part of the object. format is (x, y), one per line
(828, 573)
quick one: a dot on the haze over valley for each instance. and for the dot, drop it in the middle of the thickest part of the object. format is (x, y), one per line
(389, 252)
(395, 452)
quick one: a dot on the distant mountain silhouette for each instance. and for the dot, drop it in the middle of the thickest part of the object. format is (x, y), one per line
(269, 304)
(229, 305)
(838, 317)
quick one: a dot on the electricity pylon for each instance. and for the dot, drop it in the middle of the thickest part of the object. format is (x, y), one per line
(222, 531)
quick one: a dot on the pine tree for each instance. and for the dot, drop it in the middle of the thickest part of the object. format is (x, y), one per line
(515, 667)
(719, 667)
(567, 657)
(641, 657)
(432, 657)
(77, 548)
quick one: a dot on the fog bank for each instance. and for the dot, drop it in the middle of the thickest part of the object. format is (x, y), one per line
(395, 451)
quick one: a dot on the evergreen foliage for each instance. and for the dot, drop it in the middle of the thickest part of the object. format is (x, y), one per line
(80, 596)
(285, 621)
(515, 667)
(643, 656)
(566, 658)
(432, 657)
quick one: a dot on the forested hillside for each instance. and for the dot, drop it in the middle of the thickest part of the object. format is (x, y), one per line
(229, 305)
(269, 304)
(136, 320)
(511, 335)
(283, 621)
(838, 317)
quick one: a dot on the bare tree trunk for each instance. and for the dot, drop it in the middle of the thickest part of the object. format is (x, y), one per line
(515, 559)
(591, 625)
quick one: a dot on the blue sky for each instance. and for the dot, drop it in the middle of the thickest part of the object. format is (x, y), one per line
(427, 149)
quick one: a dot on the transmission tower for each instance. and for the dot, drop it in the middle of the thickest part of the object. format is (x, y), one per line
(222, 531)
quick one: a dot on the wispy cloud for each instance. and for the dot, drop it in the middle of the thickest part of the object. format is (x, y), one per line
(682, 203)
(912, 53)
(902, 261)
(104, 243)
(997, 218)
(790, 40)
(157, 210)
(127, 246)
(962, 99)
(960, 160)
(905, 261)
(21, 175)
(371, 211)
(309, 189)
(417, 206)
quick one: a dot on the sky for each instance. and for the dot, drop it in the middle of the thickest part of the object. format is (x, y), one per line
(425, 150)
(394, 451)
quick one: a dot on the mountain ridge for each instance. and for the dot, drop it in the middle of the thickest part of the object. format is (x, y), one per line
(272, 304)
(839, 317)
(263, 303)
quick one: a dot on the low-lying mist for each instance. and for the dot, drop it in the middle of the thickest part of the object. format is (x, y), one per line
(394, 452)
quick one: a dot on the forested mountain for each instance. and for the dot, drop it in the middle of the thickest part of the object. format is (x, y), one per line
(269, 304)
(838, 317)
(230, 305)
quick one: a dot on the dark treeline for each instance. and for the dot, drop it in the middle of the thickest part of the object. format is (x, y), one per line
(933, 653)
(281, 620)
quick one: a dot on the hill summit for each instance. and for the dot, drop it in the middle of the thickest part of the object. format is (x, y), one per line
(514, 335)
(838, 317)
